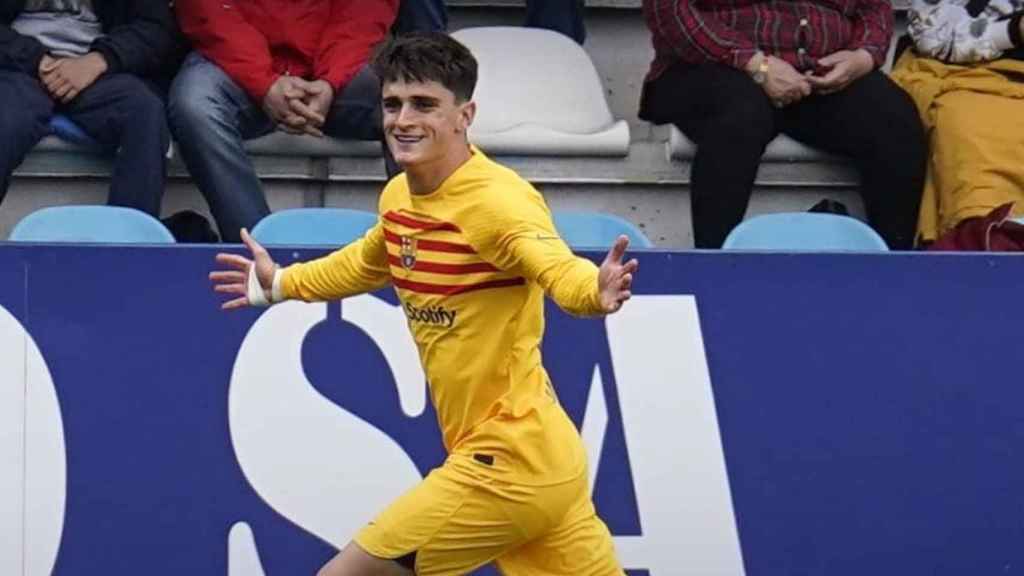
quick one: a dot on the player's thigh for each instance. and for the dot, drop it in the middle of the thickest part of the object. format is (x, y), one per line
(442, 526)
(580, 545)
(354, 561)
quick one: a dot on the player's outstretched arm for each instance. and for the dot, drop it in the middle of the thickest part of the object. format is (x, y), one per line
(250, 279)
(615, 279)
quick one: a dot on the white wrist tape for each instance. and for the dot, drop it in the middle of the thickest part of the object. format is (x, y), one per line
(276, 294)
(257, 295)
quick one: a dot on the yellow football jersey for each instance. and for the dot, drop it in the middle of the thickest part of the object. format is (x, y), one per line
(471, 263)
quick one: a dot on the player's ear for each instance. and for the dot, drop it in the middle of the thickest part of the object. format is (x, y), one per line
(467, 111)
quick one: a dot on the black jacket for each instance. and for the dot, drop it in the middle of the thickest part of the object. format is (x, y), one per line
(141, 37)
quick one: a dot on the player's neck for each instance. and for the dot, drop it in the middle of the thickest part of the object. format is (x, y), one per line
(426, 178)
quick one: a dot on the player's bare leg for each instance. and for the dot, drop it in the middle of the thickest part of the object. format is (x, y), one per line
(354, 561)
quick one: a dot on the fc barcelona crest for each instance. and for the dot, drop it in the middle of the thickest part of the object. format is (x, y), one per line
(408, 252)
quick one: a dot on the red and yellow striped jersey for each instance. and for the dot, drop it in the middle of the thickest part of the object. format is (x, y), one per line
(471, 263)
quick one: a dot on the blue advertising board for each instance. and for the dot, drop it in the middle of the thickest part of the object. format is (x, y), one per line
(744, 413)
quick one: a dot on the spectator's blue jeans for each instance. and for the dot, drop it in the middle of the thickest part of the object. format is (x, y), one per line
(211, 116)
(565, 16)
(120, 111)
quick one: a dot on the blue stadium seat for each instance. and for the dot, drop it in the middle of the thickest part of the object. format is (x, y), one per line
(804, 231)
(100, 224)
(62, 127)
(314, 226)
(597, 230)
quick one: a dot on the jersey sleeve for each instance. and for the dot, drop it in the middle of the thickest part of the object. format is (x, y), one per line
(359, 267)
(514, 232)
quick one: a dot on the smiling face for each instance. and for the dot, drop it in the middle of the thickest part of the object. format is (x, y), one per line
(424, 123)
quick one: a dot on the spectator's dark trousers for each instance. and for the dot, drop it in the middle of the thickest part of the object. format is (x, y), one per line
(120, 111)
(731, 120)
(211, 116)
(565, 16)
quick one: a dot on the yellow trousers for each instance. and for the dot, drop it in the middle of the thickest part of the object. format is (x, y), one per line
(974, 118)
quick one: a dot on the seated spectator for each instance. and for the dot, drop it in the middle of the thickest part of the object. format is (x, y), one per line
(732, 75)
(96, 63)
(257, 66)
(565, 16)
(964, 73)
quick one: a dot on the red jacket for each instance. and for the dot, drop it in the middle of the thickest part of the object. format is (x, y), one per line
(255, 41)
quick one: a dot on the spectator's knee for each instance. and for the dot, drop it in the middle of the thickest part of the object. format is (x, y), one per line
(143, 116)
(902, 131)
(184, 111)
(741, 124)
(14, 125)
(904, 114)
(148, 107)
(194, 103)
(752, 112)
(743, 134)
(14, 122)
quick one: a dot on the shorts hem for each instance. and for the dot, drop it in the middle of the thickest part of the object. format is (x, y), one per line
(379, 553)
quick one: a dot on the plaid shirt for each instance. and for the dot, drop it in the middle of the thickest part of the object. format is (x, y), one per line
(798, 31)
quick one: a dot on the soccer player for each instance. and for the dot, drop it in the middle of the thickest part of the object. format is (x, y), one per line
(471, 250)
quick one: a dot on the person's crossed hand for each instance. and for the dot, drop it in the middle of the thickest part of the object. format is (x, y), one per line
(846, 67)
(66, 78)
(313, 105)
(277, 104)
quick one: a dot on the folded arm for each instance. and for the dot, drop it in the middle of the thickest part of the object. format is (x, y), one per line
(19, 52)
(144, 44)
(356, 27)
(872, 29)
(221, 33)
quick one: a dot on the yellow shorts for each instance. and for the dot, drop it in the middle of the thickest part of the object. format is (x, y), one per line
(454, 524)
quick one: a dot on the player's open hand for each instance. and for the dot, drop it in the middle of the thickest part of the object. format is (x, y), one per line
(258, 271)
(615, 279)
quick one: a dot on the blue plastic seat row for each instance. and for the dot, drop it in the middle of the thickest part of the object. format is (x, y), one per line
(804, 231)
(301, 226)
(337, 226)
(91, 224)
(797, 231)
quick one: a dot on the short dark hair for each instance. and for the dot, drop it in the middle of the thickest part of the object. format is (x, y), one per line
(425, 57)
